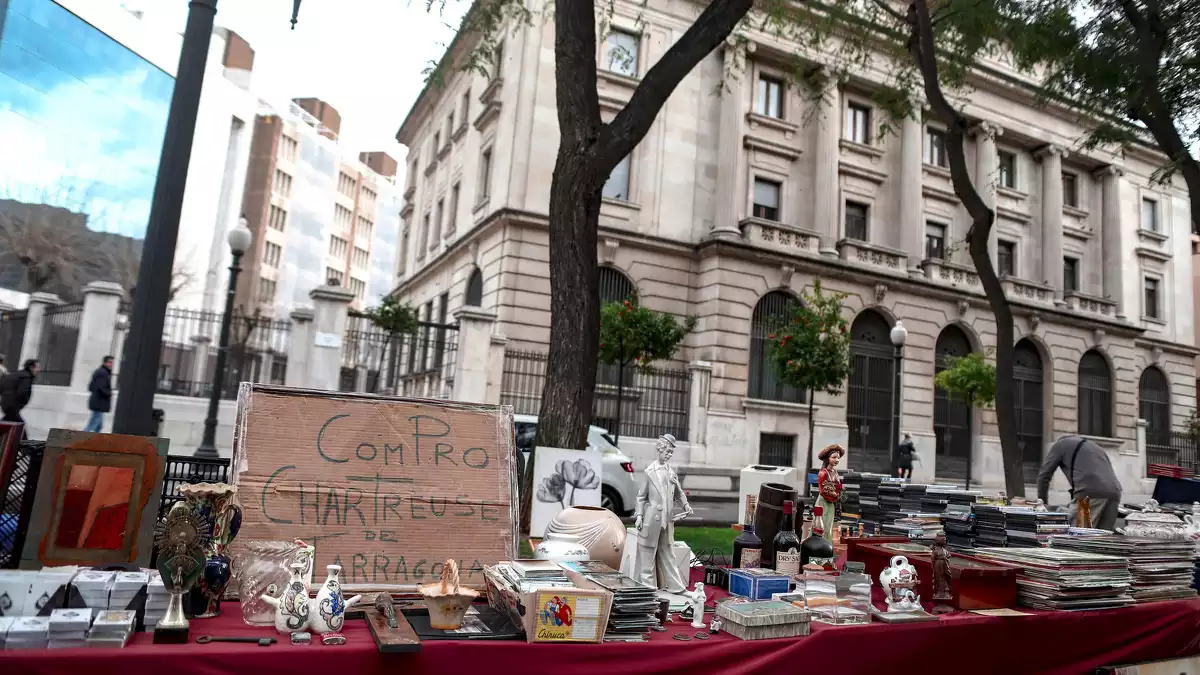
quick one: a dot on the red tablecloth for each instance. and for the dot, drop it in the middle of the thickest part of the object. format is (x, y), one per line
(1049, 643)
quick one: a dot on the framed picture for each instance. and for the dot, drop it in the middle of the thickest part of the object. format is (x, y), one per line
(562, 478)
(97, 500)
(10, 439)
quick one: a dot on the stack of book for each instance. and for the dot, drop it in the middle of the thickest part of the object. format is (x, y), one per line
(28, 632)
(157, 599)
(125, 588)
(921, 526)
(112, 628)
(527, 576)
(958, 521)
(1161, 569)
(94, 587)
(1034, 528)
(1061, 579)
(69, 627)
(633, 610)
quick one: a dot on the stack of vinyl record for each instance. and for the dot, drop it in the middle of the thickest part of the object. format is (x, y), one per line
(868, 499)
(851, 484)
(990, 525)
(911, 496)
(938, 497)
(1161, 569)
(1056, 578)
(920, 526)
(890, 493)
(634, 607)
(958, 522)
(1034, 528)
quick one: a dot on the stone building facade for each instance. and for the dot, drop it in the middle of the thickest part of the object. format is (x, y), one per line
(736, 201)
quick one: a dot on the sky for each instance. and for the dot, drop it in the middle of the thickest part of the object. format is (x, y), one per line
(366, 58)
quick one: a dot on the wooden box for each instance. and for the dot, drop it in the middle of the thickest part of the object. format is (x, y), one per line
(977, 583)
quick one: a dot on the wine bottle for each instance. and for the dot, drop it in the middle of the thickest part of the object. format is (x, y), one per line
(786, 543)
(747, 549)
(817, 550)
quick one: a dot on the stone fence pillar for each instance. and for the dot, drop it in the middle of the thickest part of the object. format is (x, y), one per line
(35, 323)
(300, 346)
(472, 366)
(495, 384)
(701, 375)
(331, 305)
(97, 325)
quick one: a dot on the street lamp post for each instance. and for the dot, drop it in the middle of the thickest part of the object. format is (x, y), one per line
(899, 334)
(239, 242)
(139, 364)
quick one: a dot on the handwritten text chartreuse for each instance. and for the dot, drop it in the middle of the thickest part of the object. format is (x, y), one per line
(380, 488)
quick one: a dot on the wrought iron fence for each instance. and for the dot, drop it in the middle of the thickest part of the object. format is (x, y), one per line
(60, 335)
(653, 401)
(258, 348)
(414, 364)
(1173, 448)
(12, 336)
(16, 504)
(183, 470)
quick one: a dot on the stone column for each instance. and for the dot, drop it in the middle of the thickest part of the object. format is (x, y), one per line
(200, 354)
(360, 378)
(495, 385)
(987, 174)
(1111, 237)
(474, 354)
(731, 192)
(825, 164)
(701, 377)
(1052, 212)
(331, 305)
(120, 331)
(35, 323)
(300, 347)
(97, 324)
(912, 222)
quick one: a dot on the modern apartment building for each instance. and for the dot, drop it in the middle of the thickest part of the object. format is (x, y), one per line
(317, 215)
(735, 202)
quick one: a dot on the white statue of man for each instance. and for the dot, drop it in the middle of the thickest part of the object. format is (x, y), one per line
(656, 523)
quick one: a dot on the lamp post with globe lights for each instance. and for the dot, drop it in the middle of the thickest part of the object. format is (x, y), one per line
(898, 335)
(239, 240)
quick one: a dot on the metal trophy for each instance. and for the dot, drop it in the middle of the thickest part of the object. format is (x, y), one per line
(181, 539)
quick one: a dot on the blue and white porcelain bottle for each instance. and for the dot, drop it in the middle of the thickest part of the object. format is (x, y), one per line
(328, 612)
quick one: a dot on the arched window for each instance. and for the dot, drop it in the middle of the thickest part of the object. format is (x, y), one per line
(951, 414)
(475, 288)
(614, 286)
(764, 375)
(1095, 395)
(1154, 405)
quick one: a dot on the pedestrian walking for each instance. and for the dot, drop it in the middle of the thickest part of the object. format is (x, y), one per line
(100, 398)
(3, 370)
(16, 388)
(904, 457)
(1095, 491)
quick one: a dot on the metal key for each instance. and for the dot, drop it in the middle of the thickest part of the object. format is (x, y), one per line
(262, 642)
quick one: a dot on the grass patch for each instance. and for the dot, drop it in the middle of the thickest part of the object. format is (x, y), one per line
(704, 539)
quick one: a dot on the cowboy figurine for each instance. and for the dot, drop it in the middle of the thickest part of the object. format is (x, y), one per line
(656, 516)
(829, 486)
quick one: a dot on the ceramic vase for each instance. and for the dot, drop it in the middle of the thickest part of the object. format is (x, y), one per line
(328, 612)
(292, 607)
(899, 576)
(561, 547)
(598, 530)
(215, 504)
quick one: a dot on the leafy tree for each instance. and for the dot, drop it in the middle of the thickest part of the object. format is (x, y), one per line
(812, 350)
(395, 319)
(1131, 66)
(974, 379)
(632, 334)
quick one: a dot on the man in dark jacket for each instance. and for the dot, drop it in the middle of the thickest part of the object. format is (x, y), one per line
(100, 400)
(1095, 489)
(16, 389)
(904, 457)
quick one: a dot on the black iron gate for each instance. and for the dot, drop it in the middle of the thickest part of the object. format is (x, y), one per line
(1029, 405)
(870, 394)
(951, 414)
(60, 335)
(12, 336)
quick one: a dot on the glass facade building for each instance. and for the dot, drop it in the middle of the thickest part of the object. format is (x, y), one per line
(82, 118)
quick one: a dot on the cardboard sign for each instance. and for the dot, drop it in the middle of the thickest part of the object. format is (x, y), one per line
(387, 488)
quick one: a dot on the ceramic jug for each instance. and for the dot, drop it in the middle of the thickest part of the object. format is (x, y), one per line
(328, 611)
(292, 607)
(899, 573)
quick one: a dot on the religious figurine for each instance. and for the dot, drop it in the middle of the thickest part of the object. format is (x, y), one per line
(698, 598)
(942, 594)
(829, 487)
(655, 522)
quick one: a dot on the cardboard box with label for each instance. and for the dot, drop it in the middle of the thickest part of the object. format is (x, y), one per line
(551, 614)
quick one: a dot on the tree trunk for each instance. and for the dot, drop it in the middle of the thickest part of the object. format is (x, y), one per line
(812, 427)
(921, 46)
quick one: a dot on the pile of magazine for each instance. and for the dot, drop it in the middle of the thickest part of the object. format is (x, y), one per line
(1055, 578)
(634, 605)
(527, 576)
(1161, 569)
(1034, 528)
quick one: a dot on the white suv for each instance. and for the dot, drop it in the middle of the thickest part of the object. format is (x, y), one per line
(618, 491)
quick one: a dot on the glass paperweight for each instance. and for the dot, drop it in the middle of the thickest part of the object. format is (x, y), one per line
(838, 599)
(263, 567)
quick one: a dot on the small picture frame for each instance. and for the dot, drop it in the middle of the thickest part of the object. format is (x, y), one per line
(97, 500)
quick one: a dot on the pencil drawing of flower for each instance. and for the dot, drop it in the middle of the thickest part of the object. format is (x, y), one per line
(553, 489)
(578, 474)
